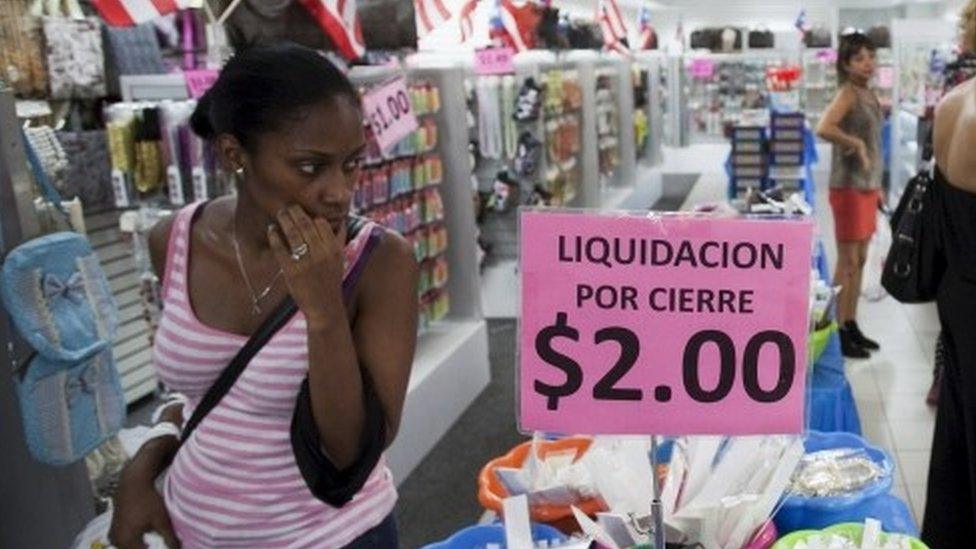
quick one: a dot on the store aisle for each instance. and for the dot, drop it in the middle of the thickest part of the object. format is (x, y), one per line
(890, 387)
(440, 496)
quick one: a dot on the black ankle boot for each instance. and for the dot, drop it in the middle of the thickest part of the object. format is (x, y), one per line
(849, 347)
(859, 337)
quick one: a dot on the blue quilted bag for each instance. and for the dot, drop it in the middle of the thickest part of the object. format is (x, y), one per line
(59, 299)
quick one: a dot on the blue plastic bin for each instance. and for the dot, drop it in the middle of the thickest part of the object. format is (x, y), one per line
(477, 537)
(806, 513)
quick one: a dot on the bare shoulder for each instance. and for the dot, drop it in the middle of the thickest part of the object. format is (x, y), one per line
(393, 265)
(846, 96)
(955, 112)
(847, 92)
(952, 104)
(159, 243)
(395, 252)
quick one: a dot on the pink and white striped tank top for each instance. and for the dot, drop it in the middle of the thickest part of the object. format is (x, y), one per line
(235, 483)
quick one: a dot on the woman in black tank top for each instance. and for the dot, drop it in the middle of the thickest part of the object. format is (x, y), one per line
(950, 512)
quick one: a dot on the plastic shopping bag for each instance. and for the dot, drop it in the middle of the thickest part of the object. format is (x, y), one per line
(877, 250)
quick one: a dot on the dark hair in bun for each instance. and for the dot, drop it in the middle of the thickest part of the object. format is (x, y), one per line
(264, 86)
(851, 45)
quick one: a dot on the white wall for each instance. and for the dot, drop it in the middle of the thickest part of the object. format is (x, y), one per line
(776, 15)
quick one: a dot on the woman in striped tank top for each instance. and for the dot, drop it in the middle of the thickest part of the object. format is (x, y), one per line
(289, 125)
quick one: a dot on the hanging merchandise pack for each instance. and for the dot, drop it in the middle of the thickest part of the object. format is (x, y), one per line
(562, 109)
(22, 61)
(88, 174)
(148, 156)
(154, 152)
(59, 299)
(491, 136)
(50, 153)
(53, 214)
(131, 50)
(75, 58)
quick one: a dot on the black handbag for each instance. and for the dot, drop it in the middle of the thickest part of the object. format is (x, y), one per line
(880, 35)
(818, 37)
(325, 481)
(703, 39)
(759, 39)
(914, 265)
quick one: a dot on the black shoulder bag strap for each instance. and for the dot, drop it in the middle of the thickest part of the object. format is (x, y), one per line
(281, 315)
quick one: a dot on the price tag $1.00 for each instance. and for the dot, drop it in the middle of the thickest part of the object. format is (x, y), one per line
(496, 61)
(389, 112)
(199, 81)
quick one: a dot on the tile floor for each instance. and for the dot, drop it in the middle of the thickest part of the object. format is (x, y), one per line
(890, 387)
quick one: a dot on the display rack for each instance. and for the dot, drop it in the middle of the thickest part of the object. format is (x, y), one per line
(640, 80)
(451, 365)
(652, 71)
(556, 175)
(608, 121)
(721, 86)
(400, 189)
(657, 108)
(614, 133)
(677, 126)
(44, 506)
(921, 48)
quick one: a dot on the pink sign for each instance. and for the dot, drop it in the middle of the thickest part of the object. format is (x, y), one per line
(828, 55)
(494, 61)
(886, 77)
(389, 112)
(702, 68)
(199, 81)
(671, 325)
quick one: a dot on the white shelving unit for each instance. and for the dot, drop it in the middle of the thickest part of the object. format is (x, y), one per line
(819, 81)
(617, 189)
(648, 178)
(737, 83)
(677, 126)
(44, 506)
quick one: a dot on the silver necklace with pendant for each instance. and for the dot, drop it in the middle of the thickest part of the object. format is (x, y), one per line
(256, 297)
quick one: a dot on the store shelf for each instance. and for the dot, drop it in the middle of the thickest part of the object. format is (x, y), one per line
(450, 365)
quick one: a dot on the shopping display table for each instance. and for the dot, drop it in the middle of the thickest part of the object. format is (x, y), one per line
(830, 400)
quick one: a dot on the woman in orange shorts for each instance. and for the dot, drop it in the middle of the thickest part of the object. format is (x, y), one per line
(853, 123)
